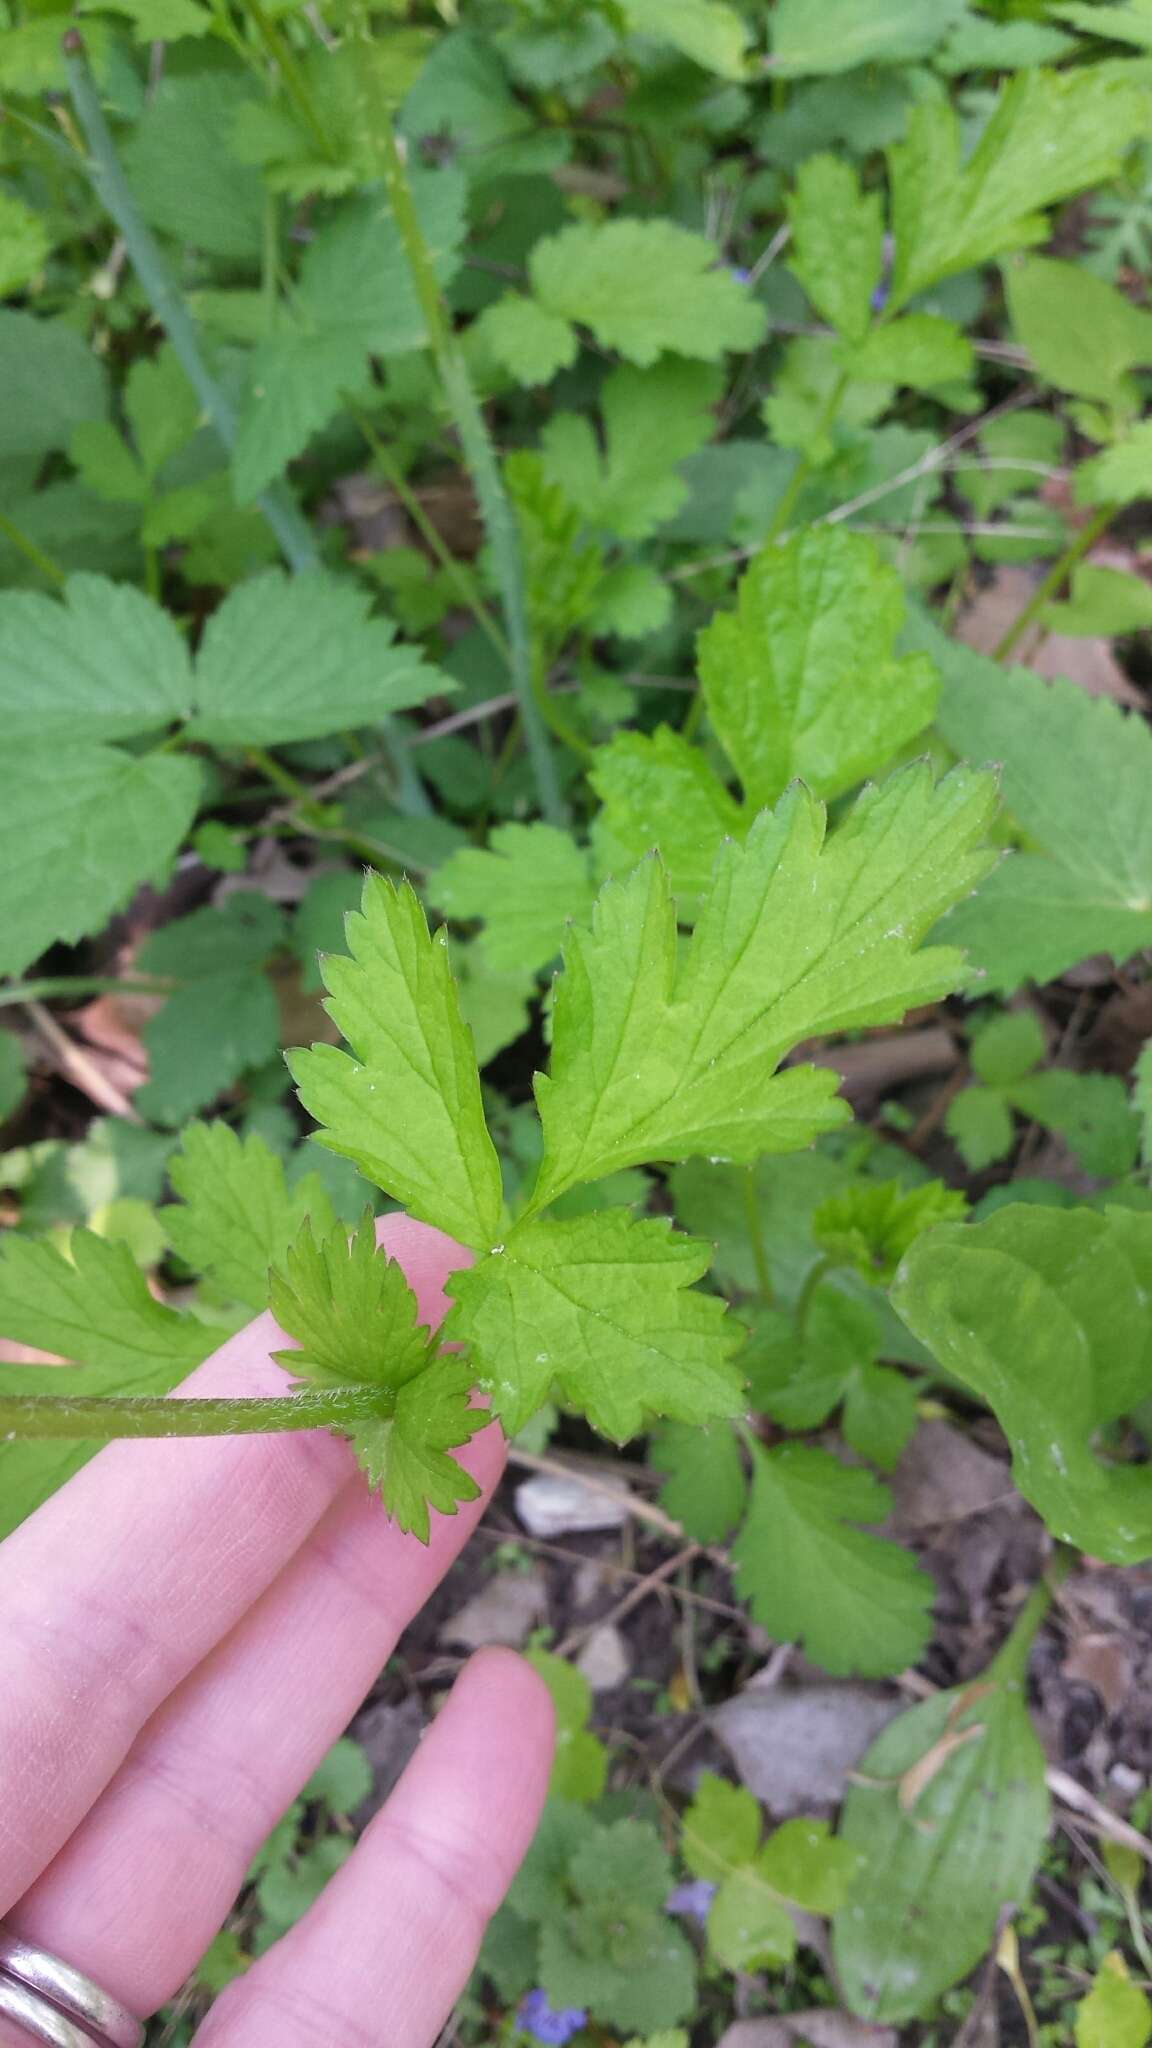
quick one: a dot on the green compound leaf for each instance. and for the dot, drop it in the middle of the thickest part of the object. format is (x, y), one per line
(95, 1307)
(104, 665)
(1043, 1313)
(645, 287)
(800, 679)
(237, 1215)
(357, 1322)
(225, 1019)
(660, 1058)
(837, 242)
(662, 792)
(580, 1765)
(1082, 334)
(526, 885)
(749, 1926)
(1052, 134)
(83, 826)
(603, 1305)
(950, 1804)
(1119, 475)
(653, 420)
(721, 1828)
(843, 34)
(708, 31)
(527, 340)
(615, 1950)
(293, 658)
(1076, 773)
(397, 1005)
(856, 1602)
(1116, 2013)
(920, 350)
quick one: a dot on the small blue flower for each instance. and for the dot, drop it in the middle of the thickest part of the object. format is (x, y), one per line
(544, 2023)
(880, 297)
(694, 1898)
(738, 271)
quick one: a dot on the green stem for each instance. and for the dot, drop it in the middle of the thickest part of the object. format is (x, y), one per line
(398, 482)
(816, 1273)
(1011, 1663)
(755, 1225)
(1054, 581)
(554, 718)
(61, 986)
(480, 456)
(804, 467)
(93, 1419)
(291, 71)
(293, 534)
(31, 550)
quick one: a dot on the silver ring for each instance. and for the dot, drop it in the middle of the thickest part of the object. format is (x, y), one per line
(56, 2003)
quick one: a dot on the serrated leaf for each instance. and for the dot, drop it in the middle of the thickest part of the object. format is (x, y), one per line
(1091, 1112)
(94, 1306)
(163, 409)
(297, 383)
(225, 1018)
(25, 244)
(837, 242)
(293, 658)
(645, 287)
(51, 379)
(616, 1950)
(1119, 475)
(83, 826)
(1125, 24)
(358, 1324)
(919, 350)
(748, 1928)
(655, 1058)
(1104, 602)
(1051, 134)
(660, 792)
(804, 1862)
(712, 34)
(1008, 1048)
(800, 679)
(979, 1122)
(721, 1829)
(184, 175)
(1076, 773)
(103, 665)
(397, 1005)
(951, 1805)
(604, 1306)
(237, 1215)
(526, 885)
(653, 420)
(1042, 1313)
(527, 340)
(1082, 334)
(705, 1488)
(870, 1224)
(848, 33)
(857, 1602)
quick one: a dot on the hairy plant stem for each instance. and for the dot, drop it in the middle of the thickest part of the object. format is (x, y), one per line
(480, 457)
(1055, 580)
(96, 1419)
(755, 1225)
(31, 550)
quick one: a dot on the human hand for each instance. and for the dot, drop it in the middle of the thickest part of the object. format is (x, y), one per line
(185, 1629)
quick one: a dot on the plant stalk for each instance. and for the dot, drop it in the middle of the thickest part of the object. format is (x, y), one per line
(755, 1226)
(61, 986)
(1055, 580)
(480, 456)
(96, 1419)
(31, 550)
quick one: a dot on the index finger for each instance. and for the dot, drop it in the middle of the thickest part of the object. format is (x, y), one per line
(124, 1581)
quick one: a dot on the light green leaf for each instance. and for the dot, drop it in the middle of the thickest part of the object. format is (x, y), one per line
(837, 242)
(294, 658)
(1082, 334)
(977, 44)
(1116, 2013)
(163, 409)
(800, 679)
(1104, 602)
(919, 350)
(184, 174)
(643, 287)
(1142, 1095)
(526, 339)
(979, 1121)
(12, 1074)
(1091, 1112)
(705, 1489)
(94, 1306)
(580, 1765)
(1052, 134)
(843, 34)
(156, 21)
(951, 1805)
(880, 1414)
(397, 1005)
(25, 244)
(105, 664)
(805, 1863)
(1123, 24)
(357, 1322)
(721, 1829)
(107, 464)
(83, 826)
(1008, 1048)
(712, 34)
(748, 1928)
(51, 381)
(526, 885)
(801, 935)
(856, 1602)
(1076, 773)
(604, 1306)
(870, 1224)
(1118, 475)
(496, 1006)
(225, 1018)
(1042, 1312)
(653, 420)
(237, 1215)
(297, 383)
(659, 791)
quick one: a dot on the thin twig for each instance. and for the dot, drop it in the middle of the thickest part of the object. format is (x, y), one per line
(79, 1068)
(651, 1582)
(640, 1510)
